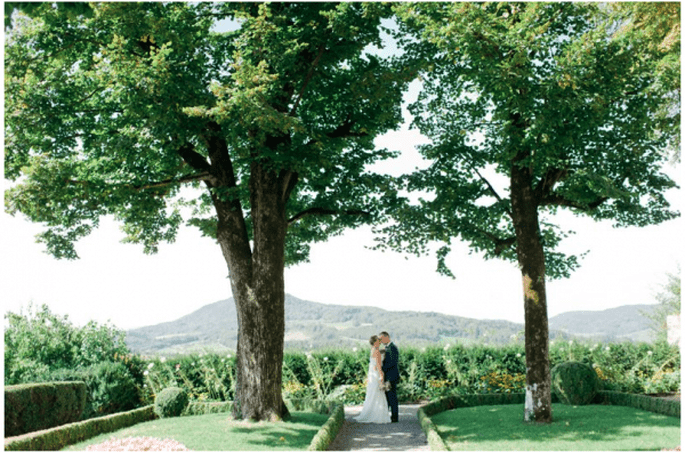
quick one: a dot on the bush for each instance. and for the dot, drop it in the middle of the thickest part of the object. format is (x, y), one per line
(112, 389)
(33, 407)
(574, 383)
(171, 402)
(39, 342)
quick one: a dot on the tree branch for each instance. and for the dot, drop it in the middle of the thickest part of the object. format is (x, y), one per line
(490, 188)
(162, 183)
(553, 199)
(547, 183)
(322, 211)
(192, 158)
(307, 79)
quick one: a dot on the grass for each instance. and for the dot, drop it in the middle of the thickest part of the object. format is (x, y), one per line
(219, 432)
(580, 428)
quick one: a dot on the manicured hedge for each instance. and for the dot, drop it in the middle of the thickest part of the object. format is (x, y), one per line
(198, 408)
(38, 406)
(467, 400)
(435, 441)
(643, 402)
(329, 430)
(60, 437)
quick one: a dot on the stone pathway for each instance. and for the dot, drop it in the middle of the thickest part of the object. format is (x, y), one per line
(403, 435)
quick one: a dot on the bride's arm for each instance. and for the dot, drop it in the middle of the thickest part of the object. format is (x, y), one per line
(379, 365)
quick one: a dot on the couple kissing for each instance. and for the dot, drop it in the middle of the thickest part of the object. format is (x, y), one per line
(380, 403)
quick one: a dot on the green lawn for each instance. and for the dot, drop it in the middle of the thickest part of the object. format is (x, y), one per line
(220, 432)
(590, 427)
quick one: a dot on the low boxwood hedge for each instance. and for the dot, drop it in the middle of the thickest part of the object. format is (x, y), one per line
(198, 408)
(59, 437)
(39, 406)
(658, 405)
(329, 430)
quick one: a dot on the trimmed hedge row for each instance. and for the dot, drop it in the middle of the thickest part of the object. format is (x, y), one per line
(654, 404)
(198, 408)
(467, 400)
(435, 441)
(39, 406)
(60, 437)
(329, 430)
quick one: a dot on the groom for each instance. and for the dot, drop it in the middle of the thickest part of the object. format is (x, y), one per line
(391, 374)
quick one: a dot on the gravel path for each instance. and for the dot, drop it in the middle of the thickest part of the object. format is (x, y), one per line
(403, 435)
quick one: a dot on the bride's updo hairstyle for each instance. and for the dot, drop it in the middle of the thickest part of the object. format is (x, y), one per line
(373, 339)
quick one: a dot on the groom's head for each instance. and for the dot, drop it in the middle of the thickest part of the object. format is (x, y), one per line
(385, 337)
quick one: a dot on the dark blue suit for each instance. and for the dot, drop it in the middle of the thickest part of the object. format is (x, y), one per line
(392, 374)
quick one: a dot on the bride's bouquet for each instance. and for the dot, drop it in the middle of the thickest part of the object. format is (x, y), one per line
(385, 386)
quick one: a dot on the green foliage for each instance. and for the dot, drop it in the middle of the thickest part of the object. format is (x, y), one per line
(156, 78)
(205, 377)
(171, 402)
(39, 342)
(537, 85)
(575, 383)
(112, 388)
(657, 24)
(669, 304)
(40, 406)
(312, 381)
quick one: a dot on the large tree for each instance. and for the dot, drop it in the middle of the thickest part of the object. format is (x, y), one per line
(530, 108)
(111, 109)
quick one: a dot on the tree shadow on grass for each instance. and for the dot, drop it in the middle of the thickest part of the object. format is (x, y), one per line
(294, 434)
(591, 427)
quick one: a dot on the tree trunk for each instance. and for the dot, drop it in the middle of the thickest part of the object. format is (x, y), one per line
(531, 260)
(258, 290)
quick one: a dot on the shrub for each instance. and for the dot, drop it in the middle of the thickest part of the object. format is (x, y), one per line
(38, 342)
(33, 407)
(112, 389)
(574, 383)
(171, 402)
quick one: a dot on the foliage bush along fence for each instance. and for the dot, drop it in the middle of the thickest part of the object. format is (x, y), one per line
(314, 381)
(39, 406)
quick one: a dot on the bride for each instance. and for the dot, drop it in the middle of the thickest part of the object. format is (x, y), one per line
(375, 404)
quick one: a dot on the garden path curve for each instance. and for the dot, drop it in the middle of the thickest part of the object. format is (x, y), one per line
(403, 435)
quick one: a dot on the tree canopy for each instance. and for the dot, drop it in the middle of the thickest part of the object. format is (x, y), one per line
(547, 79)
(110, 113)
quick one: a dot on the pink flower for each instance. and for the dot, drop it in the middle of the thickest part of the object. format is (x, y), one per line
(138, 443)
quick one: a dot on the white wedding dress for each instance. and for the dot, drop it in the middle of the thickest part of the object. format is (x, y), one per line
(375, 404)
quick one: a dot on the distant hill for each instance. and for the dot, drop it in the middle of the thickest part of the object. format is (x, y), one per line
(311, 325)
(622, 323)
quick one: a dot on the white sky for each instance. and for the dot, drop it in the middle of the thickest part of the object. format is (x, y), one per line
(117, 282)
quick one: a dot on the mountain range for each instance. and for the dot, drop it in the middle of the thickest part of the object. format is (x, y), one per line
(311, 325)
